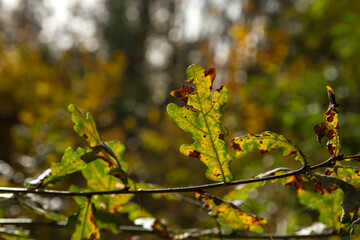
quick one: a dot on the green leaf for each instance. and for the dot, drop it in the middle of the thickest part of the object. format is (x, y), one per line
(351, 201)
(83, 223)
(350, 173)
(70, 163)
(134, 211)
(85, 127)
(201, 118)
(267, 142)
(113, 153)
(228, 214)
(328, 206)
(99, 180)
(330, 127)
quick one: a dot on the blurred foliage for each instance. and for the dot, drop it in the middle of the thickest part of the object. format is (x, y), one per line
(276, 57)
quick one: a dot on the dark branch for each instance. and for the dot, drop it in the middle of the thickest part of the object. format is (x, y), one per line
(167, 190)
(192, 233)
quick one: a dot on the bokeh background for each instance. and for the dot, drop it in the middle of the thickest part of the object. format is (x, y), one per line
(119, 60)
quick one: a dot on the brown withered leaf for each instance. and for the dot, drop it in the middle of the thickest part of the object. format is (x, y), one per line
(320, 131)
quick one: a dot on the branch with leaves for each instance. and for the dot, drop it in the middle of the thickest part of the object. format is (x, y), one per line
(109, 190)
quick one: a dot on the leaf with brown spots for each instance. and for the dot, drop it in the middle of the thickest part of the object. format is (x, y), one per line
(351, 201)
(83, 223)
(229, 214)
(267, 142)
(85, 126)
(330, 127)
(297, 181)
(327, 205)
(201, 118)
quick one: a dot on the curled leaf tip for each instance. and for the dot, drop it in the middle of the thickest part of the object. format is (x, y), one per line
(330, 128)
(183, 92)
(331, 94)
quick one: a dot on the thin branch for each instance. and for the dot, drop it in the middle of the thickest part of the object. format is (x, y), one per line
(353, 157)
(29, 221)
(147, 191)
(167, 190)
(191, 233)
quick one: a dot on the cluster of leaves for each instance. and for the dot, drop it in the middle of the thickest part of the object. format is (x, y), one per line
(109, 191)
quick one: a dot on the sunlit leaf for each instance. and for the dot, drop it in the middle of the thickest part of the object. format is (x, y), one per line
(201, 118)
(85, 126)
(351, 174)
(267, 142)
(330, 127)
(83, 223)
(70, 163)
(229, 214)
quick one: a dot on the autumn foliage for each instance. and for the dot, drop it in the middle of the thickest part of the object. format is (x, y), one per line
(109, 193)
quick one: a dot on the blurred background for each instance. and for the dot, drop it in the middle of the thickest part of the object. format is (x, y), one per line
(119, 60)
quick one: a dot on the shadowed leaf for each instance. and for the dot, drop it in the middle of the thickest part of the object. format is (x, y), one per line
(134, 211)
(113, 153)
(228, 214)
(201, 118)
(355, 230)
(17, 234)
(267, 142)
(328, 206)
(40, 206)
(351, 201)
(98, 180)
